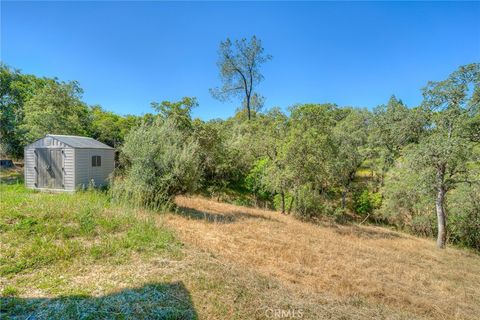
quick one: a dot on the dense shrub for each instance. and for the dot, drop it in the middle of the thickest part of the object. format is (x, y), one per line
(289, 202)
(255, 182)
(406, 199)
(366, 202)
(464, 216)
(409, 203)
(424, 224)
(163, 162)
(309, 203)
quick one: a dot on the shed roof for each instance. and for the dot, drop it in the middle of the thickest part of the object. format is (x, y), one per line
(80, 142)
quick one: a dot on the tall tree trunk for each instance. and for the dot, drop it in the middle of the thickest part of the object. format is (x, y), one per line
(440, 208)
(282, 194)
(344, 200)
(248, 107)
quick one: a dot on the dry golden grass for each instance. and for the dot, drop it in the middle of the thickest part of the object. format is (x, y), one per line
(235, 263)
(401, 273)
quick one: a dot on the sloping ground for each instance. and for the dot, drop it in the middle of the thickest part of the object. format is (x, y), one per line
(370, 265)
(79, 256)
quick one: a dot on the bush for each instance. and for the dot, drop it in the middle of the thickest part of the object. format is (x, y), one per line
(341, 216)
(406, 198)
(255, 182)
(463, 219)
(366, 202)
(163, 162)
(409, 203)
(309, 203)
(277, 202)
(424, 225)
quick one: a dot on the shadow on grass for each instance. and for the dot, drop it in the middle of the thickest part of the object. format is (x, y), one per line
(11, 176)
(367, 232)
(152, 301)
(216, 217)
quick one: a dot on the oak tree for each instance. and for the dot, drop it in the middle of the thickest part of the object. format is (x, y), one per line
(239, 63)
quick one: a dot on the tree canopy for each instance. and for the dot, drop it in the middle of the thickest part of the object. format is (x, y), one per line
(239, 63)
(413, 167)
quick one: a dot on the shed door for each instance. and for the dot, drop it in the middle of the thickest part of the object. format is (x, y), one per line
(49, 168)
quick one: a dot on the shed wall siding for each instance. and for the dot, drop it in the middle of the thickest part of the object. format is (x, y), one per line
(76, 163)
(69, 169)
(84, 172)
(68, 164)
(29, 167)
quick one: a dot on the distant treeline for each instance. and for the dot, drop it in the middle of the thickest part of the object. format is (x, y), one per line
(32, 107)
(413, 167)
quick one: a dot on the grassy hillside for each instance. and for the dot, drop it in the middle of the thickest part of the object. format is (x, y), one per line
(72, 256)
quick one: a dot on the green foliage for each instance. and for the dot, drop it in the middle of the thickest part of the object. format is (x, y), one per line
(163, 161)
(439, 163)
(341, 216)
(110, 128)
(9, 291)
(423, 224)
(272, 145)
(255, 180)
(406, 197)
(393, 126)
(289, 202)
(307, 157)
(350, 138)
(312, 160)
(449, 106)
(219, 161)
(463, 209)
(15, 90)
(366, 202)
(310, 145)
(30, 107)
(239, 63)
(308, 203)
(178, 112)
(56, 108)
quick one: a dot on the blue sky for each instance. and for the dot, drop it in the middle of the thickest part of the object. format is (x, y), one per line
(126, 55)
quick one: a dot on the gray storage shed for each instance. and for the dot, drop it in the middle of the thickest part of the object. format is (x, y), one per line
(64, 163)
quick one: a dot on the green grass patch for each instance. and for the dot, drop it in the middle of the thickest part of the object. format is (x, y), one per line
(9, 291)
(40, 229)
